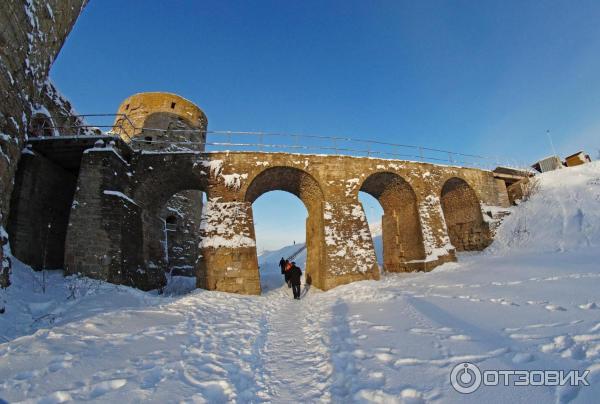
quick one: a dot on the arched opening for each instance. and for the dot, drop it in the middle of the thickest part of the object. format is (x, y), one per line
(280, 232)
(464, 220)
(171, 210)
(301, 184)
(401, 233)
(41, 126)
(374, 213)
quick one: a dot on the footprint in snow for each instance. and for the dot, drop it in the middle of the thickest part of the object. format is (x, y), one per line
(522, 357)
(385, 358)
(102, 388)
(382, 328)
(460, 337)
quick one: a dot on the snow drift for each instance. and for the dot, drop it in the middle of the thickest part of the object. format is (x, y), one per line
(563, 215)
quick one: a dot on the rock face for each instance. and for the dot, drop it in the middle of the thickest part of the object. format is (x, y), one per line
(32, 34)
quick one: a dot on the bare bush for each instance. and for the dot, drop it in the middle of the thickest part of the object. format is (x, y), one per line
(530, 187)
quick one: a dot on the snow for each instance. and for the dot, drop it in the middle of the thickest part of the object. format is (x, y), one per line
(27, 150)
(215, 166)
(528, 302)
(342, 244)
(570, 203)
(30, 12)
(234, 180)
(50, 11)
(120, 195)
(7, 139)
(433, 248)
(104, 149)
(225, 225)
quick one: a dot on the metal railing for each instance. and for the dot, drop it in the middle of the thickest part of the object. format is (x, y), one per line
(257, 141)
(75, 125)
(317, 144)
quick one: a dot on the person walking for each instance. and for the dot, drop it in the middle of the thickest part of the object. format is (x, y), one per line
(282, 265)
(295, 276)
(286, 274)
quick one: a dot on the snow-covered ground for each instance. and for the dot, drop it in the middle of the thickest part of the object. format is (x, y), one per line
(531, 301)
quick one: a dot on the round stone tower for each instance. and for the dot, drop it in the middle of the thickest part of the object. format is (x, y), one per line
(161, 121)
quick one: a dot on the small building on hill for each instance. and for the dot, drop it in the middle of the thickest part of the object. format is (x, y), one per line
(577, 159)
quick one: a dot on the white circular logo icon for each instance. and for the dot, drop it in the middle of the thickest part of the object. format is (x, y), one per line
(465, 378)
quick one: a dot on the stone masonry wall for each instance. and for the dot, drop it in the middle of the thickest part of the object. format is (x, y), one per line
(41, 202)
(328, 186)
(182, 216)
(464, 218)
(31, 35)
(105, 234)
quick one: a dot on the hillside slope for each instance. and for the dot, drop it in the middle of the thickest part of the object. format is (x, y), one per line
(564, 215)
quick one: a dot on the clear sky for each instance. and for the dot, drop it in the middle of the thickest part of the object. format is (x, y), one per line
(485, 77)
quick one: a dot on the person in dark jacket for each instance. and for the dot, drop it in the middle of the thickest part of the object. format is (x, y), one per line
(282, 265)
(295, 273)
(288, 267)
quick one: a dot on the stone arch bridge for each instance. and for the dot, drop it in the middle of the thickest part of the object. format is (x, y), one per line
(115, 233)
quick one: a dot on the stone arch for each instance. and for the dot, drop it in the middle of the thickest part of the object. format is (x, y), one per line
(462, 212)
(41, 125)
(403, 248)
(290, 179)
(172, 183)
(303, 185)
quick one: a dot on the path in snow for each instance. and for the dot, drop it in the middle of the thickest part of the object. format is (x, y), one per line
(296, 358)
(394, 340)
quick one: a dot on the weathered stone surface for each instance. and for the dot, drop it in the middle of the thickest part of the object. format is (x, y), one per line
(105, 233)
(429, 212)
(40, 207)
(116, 231)
(182, 216)
(32, 32)
(159, 121)
(463, 215)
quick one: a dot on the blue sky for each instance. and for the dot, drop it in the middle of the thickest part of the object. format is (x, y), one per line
(484, 77)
